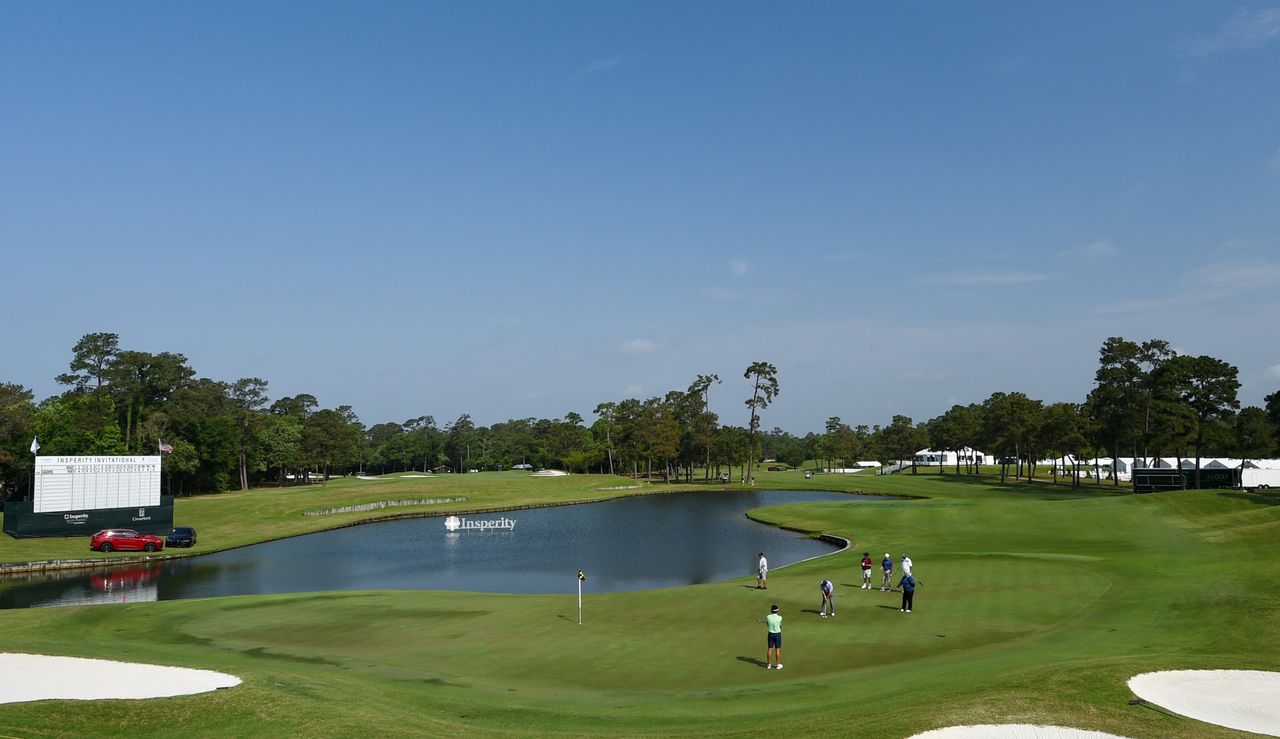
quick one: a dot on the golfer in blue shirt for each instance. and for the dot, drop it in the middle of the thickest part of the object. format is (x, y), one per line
(886, 583)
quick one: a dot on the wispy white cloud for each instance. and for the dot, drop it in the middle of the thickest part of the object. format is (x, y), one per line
(1100, 249)
(1230, 246)
(723, 294)
(1204, 285)
(633, 389)
(1229, 277)
(979, 278)
(1273, 372)
(1143, 305)
(1250, 28)
(639, 346)
(738, 267)
(605, 64)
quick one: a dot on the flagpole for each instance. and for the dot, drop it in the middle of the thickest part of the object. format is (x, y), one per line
(581, 577)
(31, 476)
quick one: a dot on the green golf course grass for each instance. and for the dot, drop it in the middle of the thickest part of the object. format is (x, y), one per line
(1036, 604)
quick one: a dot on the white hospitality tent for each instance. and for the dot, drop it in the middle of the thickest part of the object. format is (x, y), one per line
(935, 458)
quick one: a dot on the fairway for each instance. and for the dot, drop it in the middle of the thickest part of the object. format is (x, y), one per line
(1035, 606)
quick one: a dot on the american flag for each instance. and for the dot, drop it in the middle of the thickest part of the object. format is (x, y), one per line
(165, 448)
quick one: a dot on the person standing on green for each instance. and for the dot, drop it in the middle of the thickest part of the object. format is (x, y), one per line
(828, 598)
(773, 653)
(908, 585)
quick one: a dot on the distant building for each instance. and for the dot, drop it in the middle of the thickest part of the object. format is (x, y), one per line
(932, 458)
(1124, 466)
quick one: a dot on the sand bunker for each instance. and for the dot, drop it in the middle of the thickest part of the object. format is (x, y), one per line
(1248, 700)
(375, 479)
(417, 476)
(549, 473)
(73, 678)
(1013, 731)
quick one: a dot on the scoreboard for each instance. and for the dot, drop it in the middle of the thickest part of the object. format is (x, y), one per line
(92, 483)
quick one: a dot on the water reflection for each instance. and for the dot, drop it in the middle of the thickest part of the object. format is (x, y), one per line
(627, 544)
(131, 584)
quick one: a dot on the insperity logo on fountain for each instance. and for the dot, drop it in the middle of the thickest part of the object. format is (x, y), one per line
(453, 524)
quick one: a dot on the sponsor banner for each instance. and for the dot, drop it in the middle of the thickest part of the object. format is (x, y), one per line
(20, 521)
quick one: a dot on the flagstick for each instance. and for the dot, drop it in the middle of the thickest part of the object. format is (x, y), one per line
(579, 601)
(31, 476)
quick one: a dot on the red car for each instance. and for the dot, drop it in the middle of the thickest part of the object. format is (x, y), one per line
(125, 540)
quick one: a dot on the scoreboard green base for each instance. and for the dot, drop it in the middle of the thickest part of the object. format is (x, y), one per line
(21, 522)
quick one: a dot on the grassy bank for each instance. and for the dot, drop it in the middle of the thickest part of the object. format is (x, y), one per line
(1035, 606)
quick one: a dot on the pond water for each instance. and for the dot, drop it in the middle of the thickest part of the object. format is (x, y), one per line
(637, 543)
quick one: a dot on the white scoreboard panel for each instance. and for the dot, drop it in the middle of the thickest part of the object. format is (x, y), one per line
(89, 483)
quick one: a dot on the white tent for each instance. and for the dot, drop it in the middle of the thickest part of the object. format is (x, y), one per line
(932, 458)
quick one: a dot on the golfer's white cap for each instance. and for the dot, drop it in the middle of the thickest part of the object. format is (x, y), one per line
(886, 554)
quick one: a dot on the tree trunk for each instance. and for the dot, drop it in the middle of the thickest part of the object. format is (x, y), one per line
(128, 425)
(1200, 441)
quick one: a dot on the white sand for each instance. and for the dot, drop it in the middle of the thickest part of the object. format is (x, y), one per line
(36, 677)
(549, 473)
(417, 476)
(1013, 731)
(1248, 700)
(374, 479)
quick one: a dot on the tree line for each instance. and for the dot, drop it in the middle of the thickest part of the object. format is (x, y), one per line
(1147, 401)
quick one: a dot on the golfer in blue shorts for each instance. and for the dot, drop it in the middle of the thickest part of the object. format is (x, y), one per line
(773, 653)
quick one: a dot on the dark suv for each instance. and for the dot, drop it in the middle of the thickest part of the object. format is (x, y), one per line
(181, 536)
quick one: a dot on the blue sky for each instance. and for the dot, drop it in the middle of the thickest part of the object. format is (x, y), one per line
(524, 209)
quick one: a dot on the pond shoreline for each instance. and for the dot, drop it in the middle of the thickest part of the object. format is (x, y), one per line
(52, 565)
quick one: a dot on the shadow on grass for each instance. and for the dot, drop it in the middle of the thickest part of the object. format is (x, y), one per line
(892, 608)
(1259, 498)
(1042, 485)
(752, 661)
